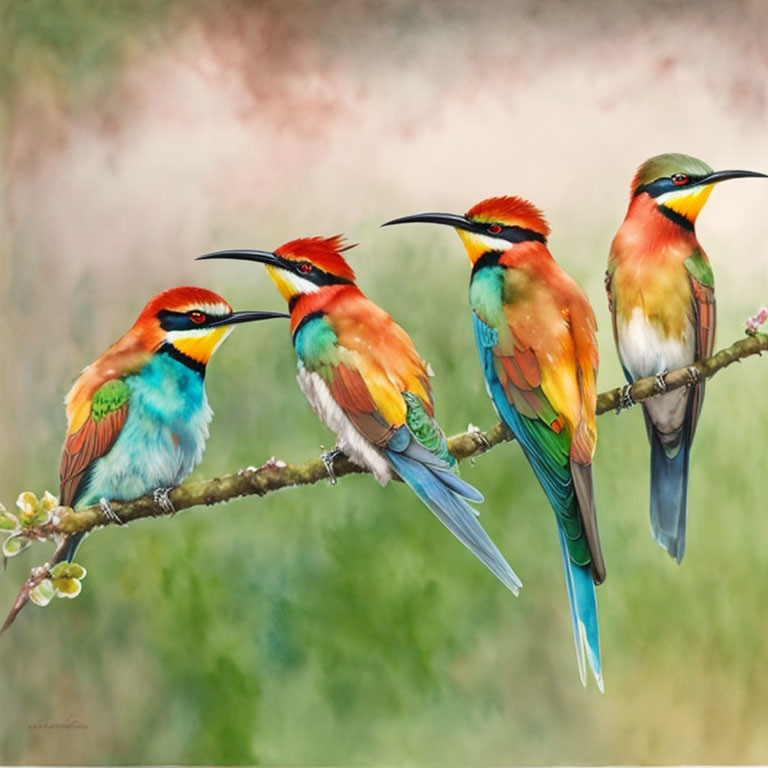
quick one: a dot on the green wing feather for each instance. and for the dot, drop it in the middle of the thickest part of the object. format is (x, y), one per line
(109, 398)
(700, 269)
(425, 429)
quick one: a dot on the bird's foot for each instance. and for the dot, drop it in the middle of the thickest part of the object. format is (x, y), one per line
(109, 512)
(162, 497)
(479, 436)
(328, 458)
(661, 384)
(694, 376)
(625, 398)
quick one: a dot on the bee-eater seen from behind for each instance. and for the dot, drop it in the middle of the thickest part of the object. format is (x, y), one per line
(365, 380)
(661, 296)
(535, 332)
(137, 417)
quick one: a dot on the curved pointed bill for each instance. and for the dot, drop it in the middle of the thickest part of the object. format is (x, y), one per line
(717, 176)
(449, 219)
(263, 257)
(247, 316)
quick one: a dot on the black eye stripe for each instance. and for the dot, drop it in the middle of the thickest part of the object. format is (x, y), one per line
(511, 234)
(667, 184)
(314, 274)
(181, 321)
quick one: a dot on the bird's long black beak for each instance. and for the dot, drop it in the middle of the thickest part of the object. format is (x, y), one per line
(264, 257)
(713, 178)
(450, 219)
(247, 316)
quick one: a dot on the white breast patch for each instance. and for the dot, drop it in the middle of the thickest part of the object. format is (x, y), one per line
(355, 445)
(644, 352)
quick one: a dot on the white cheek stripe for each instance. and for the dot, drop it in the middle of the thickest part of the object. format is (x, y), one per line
(301, 284)
(491, 243)
(677, 194)
(196, 333)
(192, 333)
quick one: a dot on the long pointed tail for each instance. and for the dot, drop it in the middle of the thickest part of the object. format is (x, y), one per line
(442, 492)
(669, 493)
(583, 603)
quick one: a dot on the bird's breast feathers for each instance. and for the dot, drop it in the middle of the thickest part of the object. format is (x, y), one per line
(534, 312)
(646, 348)
(653, 305)
(163, 437)
(315, 341)
(357, 334)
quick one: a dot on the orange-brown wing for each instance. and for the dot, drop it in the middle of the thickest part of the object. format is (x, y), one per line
(518, 372)
(372, 363)
(349, 390)
(93, 439)
(705, 319)
(584, 333)
(704, 312)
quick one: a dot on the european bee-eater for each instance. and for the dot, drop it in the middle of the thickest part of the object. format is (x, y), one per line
(137, 417)
(535, 332)
(661, 295)
(365, 380)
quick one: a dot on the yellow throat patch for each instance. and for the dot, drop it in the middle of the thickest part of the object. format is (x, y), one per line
(201, 346)
(280, 278)
(474, 244)
(689, 202)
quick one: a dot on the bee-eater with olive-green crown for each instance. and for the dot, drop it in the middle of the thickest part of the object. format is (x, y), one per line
(535, 333)
(661, 295)
(365, 380)
(137, 417)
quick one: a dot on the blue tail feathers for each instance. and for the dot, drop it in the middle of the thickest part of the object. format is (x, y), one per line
(669, 496)
(443, 496)
(583, 603)
(669, 484)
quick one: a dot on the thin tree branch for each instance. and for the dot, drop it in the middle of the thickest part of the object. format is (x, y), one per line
(275, 475)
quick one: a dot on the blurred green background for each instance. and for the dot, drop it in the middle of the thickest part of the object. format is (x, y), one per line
(342, 625)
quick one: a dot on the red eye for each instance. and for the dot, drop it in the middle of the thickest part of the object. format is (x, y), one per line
(494, 229)
(197, 317)
(305, 268)
(679, 179)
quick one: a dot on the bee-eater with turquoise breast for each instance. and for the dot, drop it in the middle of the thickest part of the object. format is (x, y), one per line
(661, 295)
(365, 380)
(535, 332)
(137, 417)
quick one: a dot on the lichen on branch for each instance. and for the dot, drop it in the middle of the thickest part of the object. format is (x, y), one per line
(275, 475)
(37, 521)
